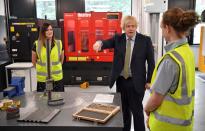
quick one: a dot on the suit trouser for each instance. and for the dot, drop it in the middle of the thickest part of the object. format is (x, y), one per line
(131, 104)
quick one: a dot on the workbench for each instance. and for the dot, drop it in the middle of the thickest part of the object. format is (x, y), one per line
(64, 121)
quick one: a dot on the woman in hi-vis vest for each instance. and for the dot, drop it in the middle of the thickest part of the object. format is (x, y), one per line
(171, 104)
(56, 57)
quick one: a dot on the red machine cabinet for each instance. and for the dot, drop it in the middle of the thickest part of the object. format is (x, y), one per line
(81, 30)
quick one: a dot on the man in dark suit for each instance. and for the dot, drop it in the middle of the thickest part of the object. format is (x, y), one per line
(131, 52)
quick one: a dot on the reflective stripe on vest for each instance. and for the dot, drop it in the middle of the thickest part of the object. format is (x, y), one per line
(44, 64)
(52, 73)
(184, 101)
(58, 46)
(39, 51)
(173, 120)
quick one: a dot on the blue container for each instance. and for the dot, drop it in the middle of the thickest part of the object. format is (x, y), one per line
(19, 83)
(10, 91)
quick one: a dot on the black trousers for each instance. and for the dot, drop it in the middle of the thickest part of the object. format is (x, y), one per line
(58, 86)
(131, 104)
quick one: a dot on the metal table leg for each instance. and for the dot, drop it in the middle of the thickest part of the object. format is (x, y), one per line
(7, 81)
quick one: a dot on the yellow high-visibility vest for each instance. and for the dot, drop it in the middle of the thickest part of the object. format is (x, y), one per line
(176, 111)
(56, 66)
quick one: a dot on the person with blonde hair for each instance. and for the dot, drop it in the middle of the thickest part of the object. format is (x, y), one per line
(56, 56)
(131, 52)
(171, 104)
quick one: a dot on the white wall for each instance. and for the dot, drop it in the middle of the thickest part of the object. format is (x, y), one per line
(141, 16)
(2, 9)
(195, 49)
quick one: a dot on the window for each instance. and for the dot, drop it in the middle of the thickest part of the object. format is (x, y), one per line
(200, 6)
(123, 6)
(46, 9)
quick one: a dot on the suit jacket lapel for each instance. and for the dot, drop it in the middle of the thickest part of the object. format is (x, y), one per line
(137, 41)
(123, 46)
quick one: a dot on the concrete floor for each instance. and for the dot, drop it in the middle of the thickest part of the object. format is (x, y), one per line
(199, 114)
(199, 109)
